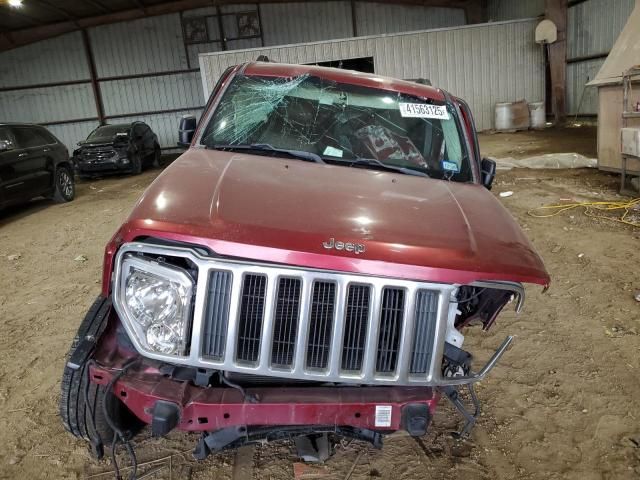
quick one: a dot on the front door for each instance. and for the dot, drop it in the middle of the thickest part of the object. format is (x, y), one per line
(35, 164)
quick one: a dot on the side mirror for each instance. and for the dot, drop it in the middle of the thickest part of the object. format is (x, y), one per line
(5, 145)
(186, 130)
(487, 172)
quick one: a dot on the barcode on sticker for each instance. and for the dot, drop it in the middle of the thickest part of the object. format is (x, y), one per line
(423, 110)
(383, 416)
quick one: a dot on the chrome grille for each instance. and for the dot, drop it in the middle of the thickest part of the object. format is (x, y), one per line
(251, 315)
(355, 329)
(306, 324)
(321, 324)
(217, 314)
(391, 317)
(426, 314)
(285, 325)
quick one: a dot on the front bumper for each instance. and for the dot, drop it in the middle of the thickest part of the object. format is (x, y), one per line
(215, 408)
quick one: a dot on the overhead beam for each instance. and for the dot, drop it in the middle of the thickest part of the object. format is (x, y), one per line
(140, 5)
(100, 6)
(52, 8)
(42, 32)
(556, 11)
(12, 12)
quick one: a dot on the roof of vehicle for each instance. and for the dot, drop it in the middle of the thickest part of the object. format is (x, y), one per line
(370, 80)
(122, 125)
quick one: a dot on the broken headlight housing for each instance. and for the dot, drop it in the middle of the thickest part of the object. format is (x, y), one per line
(154, 302)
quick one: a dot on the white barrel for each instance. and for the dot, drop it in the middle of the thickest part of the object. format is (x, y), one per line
(537, 115)
(504, 116)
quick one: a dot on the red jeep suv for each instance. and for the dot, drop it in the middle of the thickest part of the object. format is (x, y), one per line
(305, 269)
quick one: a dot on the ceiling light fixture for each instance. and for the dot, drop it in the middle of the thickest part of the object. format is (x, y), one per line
(15, 3)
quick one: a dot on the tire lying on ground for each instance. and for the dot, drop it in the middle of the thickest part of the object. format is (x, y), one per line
(86, 420)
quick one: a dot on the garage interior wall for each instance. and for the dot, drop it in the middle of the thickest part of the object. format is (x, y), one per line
(592, 29)
(501, 10)
(515, 72)
(146, 70)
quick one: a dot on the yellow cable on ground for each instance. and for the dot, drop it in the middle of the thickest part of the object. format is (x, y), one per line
(590, 209)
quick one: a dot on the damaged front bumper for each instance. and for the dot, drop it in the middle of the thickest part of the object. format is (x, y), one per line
(230, 416)
(205, 409)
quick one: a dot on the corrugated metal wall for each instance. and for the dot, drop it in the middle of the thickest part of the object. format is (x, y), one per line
(140, 46)
(593, 27)
(446, 56)
(49, 104)
(500, 10)
(286, 23)
(60, 59)
(380, 18)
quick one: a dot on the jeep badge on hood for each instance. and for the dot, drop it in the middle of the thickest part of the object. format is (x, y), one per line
(356, 248)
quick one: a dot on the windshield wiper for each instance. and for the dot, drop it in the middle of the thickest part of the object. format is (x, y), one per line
(372, 162)
(265, 147)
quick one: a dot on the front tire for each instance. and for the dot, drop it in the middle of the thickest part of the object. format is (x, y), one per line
(136, 163)
(65, 188)
(81, 402)
(157, 154)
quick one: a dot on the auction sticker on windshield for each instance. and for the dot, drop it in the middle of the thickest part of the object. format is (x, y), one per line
(422, 110)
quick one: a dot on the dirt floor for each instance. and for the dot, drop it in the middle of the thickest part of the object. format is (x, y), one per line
(563, 403)
(530, 143)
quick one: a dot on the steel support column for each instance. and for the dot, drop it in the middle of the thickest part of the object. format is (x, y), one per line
(556, 11)
(95, 85)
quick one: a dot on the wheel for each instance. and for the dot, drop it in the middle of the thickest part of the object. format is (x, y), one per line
(157, 154)
(136, 163)
(65, 189)
(85, 419)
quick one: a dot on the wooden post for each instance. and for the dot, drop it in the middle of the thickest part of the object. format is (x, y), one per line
(556, 11)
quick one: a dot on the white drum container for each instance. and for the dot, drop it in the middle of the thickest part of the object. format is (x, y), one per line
(537, 114)
(504, 117)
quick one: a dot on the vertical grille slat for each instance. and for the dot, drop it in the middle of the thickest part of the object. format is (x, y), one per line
(217, 314)
(285, 328)
(321, 324)
(356, 320)
(250, 318)
(391, 321)
(425, 325)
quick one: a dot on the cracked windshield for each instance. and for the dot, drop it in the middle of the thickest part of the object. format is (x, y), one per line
(319, 120)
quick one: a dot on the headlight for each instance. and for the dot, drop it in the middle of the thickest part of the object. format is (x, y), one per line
(154, 300)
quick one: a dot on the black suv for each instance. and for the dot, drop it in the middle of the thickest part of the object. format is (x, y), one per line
(124, 147)
(33, 163)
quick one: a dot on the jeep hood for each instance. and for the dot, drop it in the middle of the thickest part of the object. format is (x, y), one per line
(283, 210)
